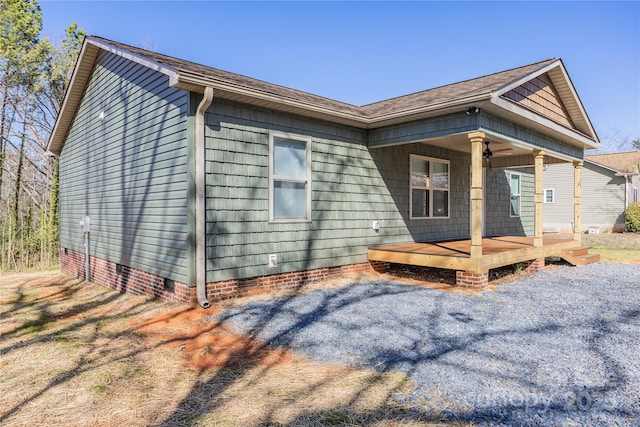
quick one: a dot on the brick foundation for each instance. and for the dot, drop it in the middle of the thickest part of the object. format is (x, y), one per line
(243, 287)
(122, 278)
(533, 265)
(466, 279)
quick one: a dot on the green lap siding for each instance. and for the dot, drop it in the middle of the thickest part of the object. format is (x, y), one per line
(129, 171)
(351, 187)
(498, 219)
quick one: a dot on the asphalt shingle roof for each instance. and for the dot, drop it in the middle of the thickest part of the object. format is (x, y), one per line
(626, 162)
(435, 96)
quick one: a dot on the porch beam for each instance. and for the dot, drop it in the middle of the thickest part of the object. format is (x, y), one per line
(538, 162)
(476, 138)
(577, 201)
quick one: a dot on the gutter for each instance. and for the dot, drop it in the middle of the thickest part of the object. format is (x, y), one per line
(201, 266)
(189, 81)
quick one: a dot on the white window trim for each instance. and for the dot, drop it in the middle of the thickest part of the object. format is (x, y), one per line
(431, 189)
(544, 194)
(273, 177)
(511, 194)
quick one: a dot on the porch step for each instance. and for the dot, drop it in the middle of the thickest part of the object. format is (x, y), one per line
(580, 256)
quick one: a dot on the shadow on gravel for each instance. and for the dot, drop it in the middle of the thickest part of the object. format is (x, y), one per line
(554, 348)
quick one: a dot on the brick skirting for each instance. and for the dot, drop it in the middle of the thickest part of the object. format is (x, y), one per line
(122, 278)
(534, 265)
(466, 279)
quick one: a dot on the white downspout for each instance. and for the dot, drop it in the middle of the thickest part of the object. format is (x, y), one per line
(201, 265)
(626, 191)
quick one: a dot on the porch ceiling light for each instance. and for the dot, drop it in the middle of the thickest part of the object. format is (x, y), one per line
(475, 110)
(487, 154)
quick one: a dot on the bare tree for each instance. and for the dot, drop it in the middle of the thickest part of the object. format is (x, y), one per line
(34, 74)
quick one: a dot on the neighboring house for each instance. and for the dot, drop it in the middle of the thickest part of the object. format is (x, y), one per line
(610, 183)
(203, 183)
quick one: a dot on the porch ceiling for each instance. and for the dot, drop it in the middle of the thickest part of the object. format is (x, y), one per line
(460, 142)
(506, 153)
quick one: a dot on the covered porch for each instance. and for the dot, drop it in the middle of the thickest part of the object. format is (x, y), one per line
(517, 129)
(474, 256)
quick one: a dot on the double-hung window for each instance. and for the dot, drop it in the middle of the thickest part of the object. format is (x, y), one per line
(514, 181)
(289, 177)
(429, 187)
(548, 195)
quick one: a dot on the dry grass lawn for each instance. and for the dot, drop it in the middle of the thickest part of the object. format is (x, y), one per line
(77, 354)
(73, 353)
(621, 248)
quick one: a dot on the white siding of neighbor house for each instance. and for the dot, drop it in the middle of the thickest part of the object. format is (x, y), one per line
(603, 198)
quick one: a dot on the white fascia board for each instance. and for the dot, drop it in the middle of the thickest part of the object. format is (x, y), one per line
(543, 121)
(167, 70)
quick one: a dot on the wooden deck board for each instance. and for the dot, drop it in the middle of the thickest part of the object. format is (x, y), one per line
(456, 255)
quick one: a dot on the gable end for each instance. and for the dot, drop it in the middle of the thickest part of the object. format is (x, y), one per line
(540, 96)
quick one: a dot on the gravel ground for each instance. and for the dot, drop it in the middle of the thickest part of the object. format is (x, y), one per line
(561, 347)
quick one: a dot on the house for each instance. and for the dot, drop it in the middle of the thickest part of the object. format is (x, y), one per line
(196, 183)
(610, 183)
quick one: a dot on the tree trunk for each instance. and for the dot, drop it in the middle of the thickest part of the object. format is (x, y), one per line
(16, 200)
(3, 115)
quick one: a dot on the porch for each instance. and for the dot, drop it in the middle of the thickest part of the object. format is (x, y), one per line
(456, 254)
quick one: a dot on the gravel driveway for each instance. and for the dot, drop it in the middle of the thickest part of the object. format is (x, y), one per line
(561, 347)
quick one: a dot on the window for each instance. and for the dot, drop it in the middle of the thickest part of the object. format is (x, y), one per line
(548, 195)
(429, 188)
(289, 177)
(635, 195)
(514, 182)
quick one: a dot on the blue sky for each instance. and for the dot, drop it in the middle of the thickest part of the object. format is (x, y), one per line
(363, 52)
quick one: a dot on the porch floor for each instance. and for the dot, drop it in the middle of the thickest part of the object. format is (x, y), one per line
(456, 254)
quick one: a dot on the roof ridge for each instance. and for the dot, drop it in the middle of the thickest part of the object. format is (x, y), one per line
(361, 110)
(220, 70)
(463, 81)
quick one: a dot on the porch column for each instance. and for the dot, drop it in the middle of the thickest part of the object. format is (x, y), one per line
(476, 138)
(538, 156)
(577, 201)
